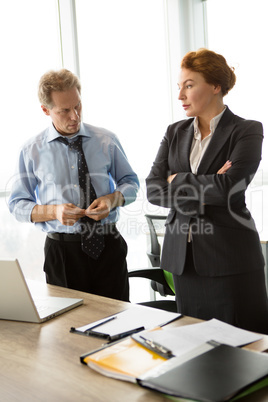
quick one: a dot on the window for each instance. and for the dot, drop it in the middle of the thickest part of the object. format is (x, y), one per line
(123, 66)
(29, 47)
(122, 49)
(124, 73)
(237, 29)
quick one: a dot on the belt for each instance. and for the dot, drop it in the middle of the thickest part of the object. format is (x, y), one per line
(108, 228)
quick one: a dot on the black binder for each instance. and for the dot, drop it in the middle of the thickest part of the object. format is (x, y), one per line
(216, 375)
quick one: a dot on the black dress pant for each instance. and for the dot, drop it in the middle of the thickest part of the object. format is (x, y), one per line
(68, 266)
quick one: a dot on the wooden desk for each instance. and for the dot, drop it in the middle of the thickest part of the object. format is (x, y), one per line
(40, 362)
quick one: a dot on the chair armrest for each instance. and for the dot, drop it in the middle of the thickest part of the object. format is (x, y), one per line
(154, 274)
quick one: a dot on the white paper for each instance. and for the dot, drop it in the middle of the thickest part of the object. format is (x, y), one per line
(132, 318)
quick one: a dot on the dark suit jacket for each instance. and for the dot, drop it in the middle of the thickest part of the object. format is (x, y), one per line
(224, 237)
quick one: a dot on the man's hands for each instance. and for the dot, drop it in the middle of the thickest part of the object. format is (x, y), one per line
(69, 214)
(101, 207)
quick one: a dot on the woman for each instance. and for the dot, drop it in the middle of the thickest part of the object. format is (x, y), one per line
(201, 173)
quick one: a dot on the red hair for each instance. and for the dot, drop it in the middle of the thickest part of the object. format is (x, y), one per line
(212, 66)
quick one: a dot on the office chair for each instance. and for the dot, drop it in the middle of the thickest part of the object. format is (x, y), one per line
(161, 281)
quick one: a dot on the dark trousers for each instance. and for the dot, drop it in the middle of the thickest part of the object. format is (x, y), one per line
(68, 266)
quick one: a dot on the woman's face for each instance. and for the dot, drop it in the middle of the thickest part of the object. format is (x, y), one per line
(197, 96)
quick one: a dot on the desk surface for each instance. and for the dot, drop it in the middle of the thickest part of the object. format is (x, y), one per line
(40, 362)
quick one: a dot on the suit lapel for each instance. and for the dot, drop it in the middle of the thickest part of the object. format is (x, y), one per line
(185, 142)
(220, 136)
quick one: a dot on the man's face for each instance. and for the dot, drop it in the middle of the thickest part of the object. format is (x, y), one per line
(66, 111)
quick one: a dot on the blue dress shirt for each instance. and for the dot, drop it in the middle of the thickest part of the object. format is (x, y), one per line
(47, 174)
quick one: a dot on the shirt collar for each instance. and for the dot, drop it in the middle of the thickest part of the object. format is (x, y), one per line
(53, 133)
(213, 125)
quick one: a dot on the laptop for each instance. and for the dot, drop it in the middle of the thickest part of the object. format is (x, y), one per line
(17, 303)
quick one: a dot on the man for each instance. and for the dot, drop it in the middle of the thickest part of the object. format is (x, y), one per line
(74, 194)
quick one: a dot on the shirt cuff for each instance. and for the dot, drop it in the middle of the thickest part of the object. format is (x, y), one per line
(129, 193)
(23, 211)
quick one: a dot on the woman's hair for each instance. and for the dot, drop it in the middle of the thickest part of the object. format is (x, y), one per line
(61, 80)
(212, 66)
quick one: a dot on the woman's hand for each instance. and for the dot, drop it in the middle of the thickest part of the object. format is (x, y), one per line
(225, 167)
(171, 177)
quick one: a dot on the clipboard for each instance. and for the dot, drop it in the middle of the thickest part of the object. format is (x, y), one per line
(153, 346)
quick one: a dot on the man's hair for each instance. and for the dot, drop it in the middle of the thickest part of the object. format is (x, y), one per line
(61, 80)
(212, 66)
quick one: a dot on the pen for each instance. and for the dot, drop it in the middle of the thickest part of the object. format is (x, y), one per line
(101, 323)
(124, 334)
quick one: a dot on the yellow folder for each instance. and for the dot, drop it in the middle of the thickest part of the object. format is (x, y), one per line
(125, 360)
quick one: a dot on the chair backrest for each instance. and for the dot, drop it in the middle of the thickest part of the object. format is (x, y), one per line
(156, 229)
(155, 224)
